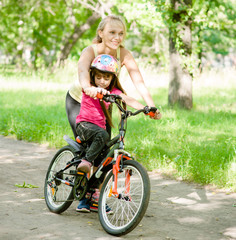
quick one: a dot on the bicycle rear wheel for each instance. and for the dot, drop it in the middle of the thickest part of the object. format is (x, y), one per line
(59, 196)
(128, 209)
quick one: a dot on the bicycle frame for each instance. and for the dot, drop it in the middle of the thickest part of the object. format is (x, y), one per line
(115, 157)
(125, 191)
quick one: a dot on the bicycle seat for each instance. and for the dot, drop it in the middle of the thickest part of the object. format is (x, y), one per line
(77, 145)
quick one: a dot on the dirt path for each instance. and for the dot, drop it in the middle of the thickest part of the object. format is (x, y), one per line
(177, 210)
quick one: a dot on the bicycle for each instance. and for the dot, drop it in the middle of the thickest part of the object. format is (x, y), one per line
(125, 182)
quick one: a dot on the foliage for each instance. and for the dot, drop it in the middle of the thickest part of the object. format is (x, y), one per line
(33, 32)
(146, 31)
(36, 29)
(214, 29)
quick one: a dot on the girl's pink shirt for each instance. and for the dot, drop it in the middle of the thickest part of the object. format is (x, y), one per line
(91, 110)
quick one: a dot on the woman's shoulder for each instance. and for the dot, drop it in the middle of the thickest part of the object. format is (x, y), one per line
(125, 55)
(124, 50)
(87, 55)
(88, 50)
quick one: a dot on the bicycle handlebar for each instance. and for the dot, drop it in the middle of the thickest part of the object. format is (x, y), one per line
(113, 99)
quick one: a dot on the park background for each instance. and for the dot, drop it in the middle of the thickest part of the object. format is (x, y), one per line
(186, 51)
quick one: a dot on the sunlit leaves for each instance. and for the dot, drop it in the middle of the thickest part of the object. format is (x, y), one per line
(41, 27)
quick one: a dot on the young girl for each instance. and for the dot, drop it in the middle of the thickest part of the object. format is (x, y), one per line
(110, 38)
(91, 121)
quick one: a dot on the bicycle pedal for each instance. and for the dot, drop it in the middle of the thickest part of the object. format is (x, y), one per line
(81, 173)
(93, 204)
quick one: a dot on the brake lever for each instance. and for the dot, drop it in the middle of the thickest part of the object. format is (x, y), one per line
(108, 98)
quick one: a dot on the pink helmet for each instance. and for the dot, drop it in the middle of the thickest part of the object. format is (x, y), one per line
(105, 63)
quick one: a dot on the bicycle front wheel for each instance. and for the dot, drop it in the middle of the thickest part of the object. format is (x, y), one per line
(59, 196)
(128, 209)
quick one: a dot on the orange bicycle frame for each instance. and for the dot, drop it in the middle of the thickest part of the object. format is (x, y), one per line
(116, 170)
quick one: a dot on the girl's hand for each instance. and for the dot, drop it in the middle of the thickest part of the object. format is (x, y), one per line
(157, 115)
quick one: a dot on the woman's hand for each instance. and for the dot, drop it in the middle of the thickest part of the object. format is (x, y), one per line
(157, 115)
(93, 91)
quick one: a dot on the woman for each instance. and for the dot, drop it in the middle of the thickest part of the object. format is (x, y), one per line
(109, 40)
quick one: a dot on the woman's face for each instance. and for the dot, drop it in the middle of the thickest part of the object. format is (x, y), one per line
(102, 79)
(113, 34)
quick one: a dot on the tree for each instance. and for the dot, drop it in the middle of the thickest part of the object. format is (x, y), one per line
(98, 10)
(214, 29)
(41, 33)
(180, 50)
(35, 27)
(73, 38)
(151, 19)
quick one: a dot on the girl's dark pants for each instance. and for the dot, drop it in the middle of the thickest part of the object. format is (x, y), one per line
(72, 111)
(95, 136)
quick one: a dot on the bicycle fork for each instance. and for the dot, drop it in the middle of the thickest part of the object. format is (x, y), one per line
(119, 156)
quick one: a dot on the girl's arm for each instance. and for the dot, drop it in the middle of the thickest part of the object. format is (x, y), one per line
(137, 105)
(131, 102)
(84, 64)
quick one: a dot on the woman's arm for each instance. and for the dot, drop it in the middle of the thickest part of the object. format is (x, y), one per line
(135, 75)
(84, 64)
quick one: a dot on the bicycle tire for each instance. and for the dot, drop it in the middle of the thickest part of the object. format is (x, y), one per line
(129, 210)
(61, 200)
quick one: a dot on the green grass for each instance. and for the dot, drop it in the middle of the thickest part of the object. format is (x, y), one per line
(197, 145)
(37, 116)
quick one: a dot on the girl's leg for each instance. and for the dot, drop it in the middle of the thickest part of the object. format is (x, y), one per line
(98, 143)
(72, 111)
(98, 138)
(94, 134)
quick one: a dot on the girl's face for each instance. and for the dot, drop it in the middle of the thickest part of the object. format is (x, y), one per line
(112, 34)
(103, 80)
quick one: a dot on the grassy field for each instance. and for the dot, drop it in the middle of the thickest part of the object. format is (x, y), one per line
(197, 145)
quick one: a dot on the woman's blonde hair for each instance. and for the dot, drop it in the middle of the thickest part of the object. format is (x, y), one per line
(102, 24)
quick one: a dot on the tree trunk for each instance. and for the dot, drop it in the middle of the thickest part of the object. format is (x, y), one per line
(78, 32)
(180, 85)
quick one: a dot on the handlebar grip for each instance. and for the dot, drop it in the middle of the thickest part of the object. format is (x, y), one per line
(151, 114)
(99, 95)
(150, 111)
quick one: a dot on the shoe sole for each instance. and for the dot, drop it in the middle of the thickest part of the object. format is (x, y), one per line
(93, 209)
(83, 210)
